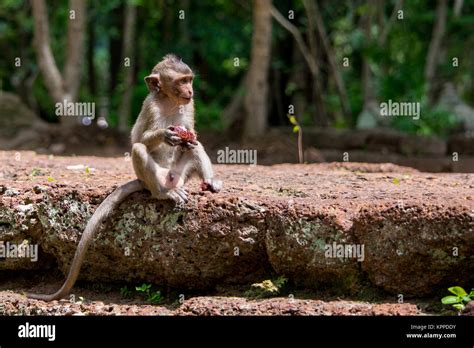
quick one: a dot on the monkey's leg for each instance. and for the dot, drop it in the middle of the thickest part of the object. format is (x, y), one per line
(194, 160)
(154, 176)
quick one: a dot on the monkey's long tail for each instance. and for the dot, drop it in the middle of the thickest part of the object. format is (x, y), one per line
(102, 212)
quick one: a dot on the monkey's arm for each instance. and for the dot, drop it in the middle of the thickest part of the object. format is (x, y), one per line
(153, 138)
(104, 210)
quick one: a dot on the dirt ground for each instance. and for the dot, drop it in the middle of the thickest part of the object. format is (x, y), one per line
(104, 300)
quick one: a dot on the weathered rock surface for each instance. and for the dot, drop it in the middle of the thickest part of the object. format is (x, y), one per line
(282, 306)
(417, 229)
(14, 304)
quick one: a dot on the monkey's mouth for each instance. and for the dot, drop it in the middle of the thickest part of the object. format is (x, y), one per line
(185, 100)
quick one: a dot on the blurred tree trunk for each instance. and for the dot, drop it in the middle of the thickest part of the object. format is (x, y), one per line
(444, 91)
(128, 56)
(90, 58)
(310, 56)
(458, 7)
(234, 110)
(317, 87)
(75, 48)
(169, 17)
(298, 78)
(183, 25)
(314, 11)
(367, 88)
(434, 50)
(255, 100)
(277, 97)
(60, 87)
(116, 20)
(370, 115)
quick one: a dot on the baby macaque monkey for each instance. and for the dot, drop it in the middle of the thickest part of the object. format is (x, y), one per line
(165, 153)
(161, 159)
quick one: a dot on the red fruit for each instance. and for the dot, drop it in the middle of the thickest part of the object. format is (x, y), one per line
(205, 186)
(186, 135)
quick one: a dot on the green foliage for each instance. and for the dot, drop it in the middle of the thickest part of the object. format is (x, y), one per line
(208, 115)
(432, 121)
(151, 295)
(267, 288)
(215, 39)
(125, 292)
(36, 172)
(460, 299)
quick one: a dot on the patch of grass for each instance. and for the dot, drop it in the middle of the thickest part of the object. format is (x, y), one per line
(125, 292)
(151, 295)
(36, 172)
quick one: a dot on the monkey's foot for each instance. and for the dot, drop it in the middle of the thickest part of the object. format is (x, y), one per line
(212, 185)
(178, 194)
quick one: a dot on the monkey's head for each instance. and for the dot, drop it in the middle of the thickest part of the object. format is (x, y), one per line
(173, 78)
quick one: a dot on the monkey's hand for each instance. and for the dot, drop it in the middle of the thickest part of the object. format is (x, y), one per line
(188, 137)
(212, 185)
(172, 138)
(187, 146)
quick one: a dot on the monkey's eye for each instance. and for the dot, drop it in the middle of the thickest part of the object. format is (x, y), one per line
(185, 80)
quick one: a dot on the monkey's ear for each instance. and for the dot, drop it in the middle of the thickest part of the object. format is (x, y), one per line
(153, 82)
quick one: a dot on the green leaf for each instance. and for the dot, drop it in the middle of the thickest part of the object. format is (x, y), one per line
(292, 120)
(458, 306)
(450, 300)
(457, 290)
(296, 129)
(143, 287)
(51, 179)
(36, 172)
(280, 281)
(155, 298)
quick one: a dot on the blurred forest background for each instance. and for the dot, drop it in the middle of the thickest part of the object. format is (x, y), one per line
(328, 63)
